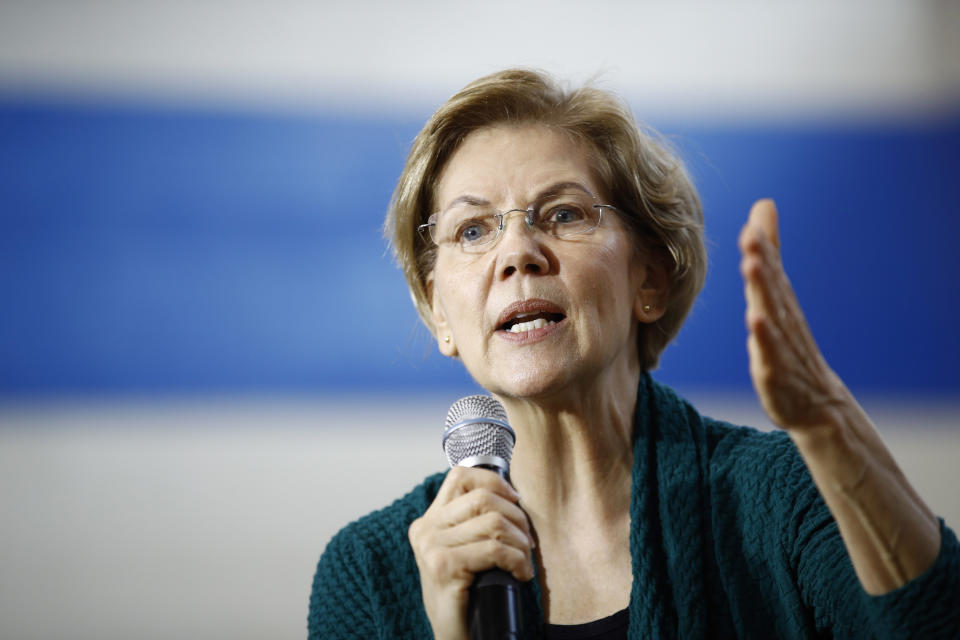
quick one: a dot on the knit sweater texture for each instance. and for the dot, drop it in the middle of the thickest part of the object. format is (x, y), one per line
(729, 538)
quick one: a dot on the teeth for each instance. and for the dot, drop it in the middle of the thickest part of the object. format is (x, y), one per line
(537, 323)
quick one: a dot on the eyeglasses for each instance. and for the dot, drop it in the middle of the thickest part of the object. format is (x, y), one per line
(474, 227)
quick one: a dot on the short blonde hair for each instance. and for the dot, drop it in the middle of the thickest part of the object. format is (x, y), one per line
(645, 181)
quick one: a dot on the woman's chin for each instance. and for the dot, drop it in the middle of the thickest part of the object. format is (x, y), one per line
(530, 382)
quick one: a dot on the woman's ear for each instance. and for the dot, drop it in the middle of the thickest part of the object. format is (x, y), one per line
(441, 328)
(654, 287)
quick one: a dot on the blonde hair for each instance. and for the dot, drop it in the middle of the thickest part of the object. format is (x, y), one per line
(643, 179)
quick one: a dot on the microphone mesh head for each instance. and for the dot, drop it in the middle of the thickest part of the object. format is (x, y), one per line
(477, 426)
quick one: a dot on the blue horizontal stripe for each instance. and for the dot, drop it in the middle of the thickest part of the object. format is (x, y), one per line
(163, 249)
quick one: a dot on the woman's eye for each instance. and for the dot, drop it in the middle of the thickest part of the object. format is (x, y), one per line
(472, 232)
(565, 214)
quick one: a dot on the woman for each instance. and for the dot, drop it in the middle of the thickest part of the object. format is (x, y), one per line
(555, 250)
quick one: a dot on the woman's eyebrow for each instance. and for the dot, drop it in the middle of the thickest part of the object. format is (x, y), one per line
(466, 199)
(559, 187)
(553, 189)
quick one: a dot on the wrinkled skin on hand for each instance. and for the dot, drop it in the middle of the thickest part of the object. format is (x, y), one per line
(475, 523)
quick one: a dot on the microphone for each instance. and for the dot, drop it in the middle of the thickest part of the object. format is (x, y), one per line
(476, 434)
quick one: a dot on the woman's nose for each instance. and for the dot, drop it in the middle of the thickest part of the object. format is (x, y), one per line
(519, 248)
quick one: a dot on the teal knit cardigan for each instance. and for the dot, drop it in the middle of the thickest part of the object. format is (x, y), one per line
(729, 538)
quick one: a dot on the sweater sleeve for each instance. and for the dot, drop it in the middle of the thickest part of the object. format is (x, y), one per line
(784, 562)
(340, 599)
(926, 607)
(929, 605)
(367, 585)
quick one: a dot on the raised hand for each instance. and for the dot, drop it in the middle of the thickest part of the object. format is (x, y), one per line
(890, 534)
(792, 380)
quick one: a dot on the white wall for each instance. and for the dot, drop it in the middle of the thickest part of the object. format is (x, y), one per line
(205, 519)
(741, 58)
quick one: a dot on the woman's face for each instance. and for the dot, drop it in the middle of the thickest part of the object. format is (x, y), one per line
(590, 289)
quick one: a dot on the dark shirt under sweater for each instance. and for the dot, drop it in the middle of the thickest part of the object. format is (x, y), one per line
(610, 628)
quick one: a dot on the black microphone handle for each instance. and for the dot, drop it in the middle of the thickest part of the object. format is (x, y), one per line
(493, 610)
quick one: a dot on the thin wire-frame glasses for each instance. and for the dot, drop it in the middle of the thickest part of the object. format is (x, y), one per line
(475, 226)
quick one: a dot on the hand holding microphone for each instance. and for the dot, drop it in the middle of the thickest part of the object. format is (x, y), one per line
(473, 526)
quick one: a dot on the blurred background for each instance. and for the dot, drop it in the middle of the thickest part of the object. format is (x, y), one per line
(208, 362)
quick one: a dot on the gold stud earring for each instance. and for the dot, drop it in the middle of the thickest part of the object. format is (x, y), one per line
(647, 308)
(446, 339)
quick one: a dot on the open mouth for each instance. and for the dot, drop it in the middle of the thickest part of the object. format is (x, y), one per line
(523, 322)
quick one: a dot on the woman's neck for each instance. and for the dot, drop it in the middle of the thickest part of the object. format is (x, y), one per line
(574, 451)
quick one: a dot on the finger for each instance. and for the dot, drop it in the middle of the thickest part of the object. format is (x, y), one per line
(769, 289)
(488, 554)
(760, 285)
(777, 300)
(758, 367)
(757, 250)
(761, 373)
(481, 502)
(489, 526)
(782, 345)
(763, 216)
(759, 223)
(454, 554)
(768, 349)
(759, 242)
(750, 266)
(778, 375)
(774, 349)
(462, 480)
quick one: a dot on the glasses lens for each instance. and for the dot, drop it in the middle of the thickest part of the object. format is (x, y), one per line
(566, 214)
(471, 226)
(466, 225)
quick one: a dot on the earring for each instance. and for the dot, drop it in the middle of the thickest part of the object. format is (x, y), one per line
(446, 339)
(647, 308)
